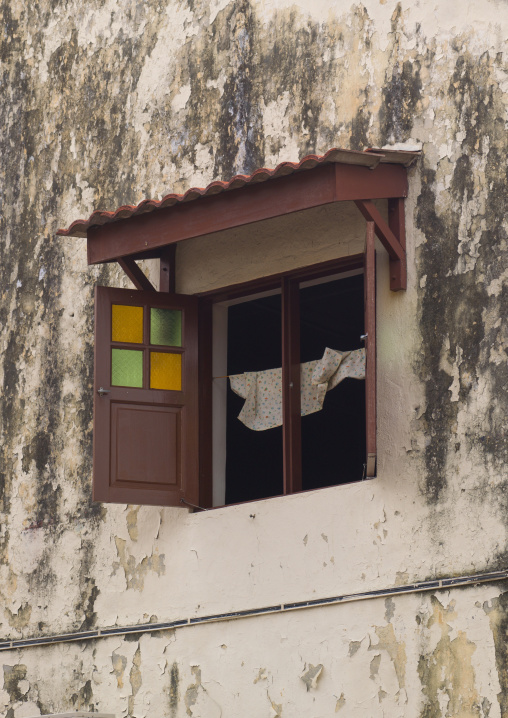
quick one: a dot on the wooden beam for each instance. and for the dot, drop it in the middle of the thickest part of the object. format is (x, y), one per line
(205, 449)
(396, 219)
(395, 246)
(168, 269)
(291, 400)
(234, 208)
(135, 274)
(370, 350)
(272, 281)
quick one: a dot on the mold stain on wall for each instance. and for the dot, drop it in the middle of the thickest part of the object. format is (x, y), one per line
(455, 305)
(174, 678)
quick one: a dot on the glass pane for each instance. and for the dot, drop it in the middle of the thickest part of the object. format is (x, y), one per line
(127, 324)
(126, 367)
(165, 371)
(166, 327)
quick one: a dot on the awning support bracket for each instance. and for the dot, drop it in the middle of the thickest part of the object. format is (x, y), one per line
(168, 269)
(135, 274)
(392, 236)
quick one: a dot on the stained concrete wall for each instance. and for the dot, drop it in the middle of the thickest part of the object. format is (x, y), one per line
(108, 103)
(412, 656)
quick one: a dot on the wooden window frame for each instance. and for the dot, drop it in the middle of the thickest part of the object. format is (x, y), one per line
(289, 285)
(196, 483)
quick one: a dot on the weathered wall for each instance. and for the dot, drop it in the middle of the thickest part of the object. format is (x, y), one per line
(419, 655)
(107, 103)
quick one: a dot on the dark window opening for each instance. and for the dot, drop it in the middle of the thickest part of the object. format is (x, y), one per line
(333, 439)
(253, 458)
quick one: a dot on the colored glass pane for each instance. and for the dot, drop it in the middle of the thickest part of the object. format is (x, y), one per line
(166, 327)
(126, 367)
(165, 371)
(127, 324)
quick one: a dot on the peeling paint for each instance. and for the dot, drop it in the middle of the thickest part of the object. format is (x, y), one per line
(135, 572)
(374, 665)
(135, 679)
(395, 649)
(261, 676)
(341, 702)
(275, 709)
(354, 646)
(191, 694)
(21, 618)
(447, 674)
(119, 665)
(390, 609)
(311, 675)
(14, 677)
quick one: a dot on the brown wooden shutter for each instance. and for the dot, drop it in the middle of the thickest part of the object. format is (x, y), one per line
(145, 397)
(370, 346)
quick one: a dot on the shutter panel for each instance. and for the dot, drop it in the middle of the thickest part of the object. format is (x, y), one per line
(145, 397)
(370, 346)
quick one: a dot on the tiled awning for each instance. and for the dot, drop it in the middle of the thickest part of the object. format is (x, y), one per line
(152, 228)
(370, 159)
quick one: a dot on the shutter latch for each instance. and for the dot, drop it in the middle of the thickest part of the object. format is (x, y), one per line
(102, 391)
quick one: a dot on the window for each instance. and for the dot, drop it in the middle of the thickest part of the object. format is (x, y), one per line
(163, 437)
(329, 314)
(316, 308)
(154, 414)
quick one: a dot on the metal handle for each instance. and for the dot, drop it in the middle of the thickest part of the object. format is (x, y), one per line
(363, 337)
(101, 391)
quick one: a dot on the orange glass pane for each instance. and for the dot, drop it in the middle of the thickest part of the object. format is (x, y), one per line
(165, 371)
(126, 324)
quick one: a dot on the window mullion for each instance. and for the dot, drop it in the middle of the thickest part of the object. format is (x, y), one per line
(291, 403)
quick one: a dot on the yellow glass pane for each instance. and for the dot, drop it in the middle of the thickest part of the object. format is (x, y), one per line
(165, 371)
(127, 324)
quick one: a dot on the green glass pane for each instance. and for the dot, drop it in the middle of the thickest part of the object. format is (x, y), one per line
(126, 367)
(166, 327)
